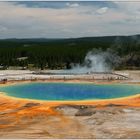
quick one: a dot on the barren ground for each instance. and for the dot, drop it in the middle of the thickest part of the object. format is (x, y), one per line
(32, 119)
(118, 118)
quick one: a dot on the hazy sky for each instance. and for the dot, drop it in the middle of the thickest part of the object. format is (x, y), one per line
(68, 19)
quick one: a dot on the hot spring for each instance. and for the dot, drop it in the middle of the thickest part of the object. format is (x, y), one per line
(69, 91)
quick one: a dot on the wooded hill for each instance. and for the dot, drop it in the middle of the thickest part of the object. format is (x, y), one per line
(60, 53)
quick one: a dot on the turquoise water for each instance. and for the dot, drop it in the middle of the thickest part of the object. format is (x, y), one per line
(68, 91)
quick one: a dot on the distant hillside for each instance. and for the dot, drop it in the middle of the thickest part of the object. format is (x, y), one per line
(60, 53)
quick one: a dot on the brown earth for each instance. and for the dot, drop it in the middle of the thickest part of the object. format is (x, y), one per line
(118, 118)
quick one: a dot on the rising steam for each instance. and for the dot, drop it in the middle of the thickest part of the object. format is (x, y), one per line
(97, 61)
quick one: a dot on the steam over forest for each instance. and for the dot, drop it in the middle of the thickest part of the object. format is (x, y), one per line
(61, 53)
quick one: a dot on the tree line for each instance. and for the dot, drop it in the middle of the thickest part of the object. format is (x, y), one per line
(61, 53)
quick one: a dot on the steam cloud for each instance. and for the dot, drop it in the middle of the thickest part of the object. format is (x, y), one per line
(97, 61)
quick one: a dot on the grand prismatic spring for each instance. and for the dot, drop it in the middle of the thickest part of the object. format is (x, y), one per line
(69, 91)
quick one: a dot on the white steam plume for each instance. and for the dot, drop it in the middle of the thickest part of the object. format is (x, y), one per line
(97, 61)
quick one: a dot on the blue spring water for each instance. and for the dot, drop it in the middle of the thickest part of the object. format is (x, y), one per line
(69, 91)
